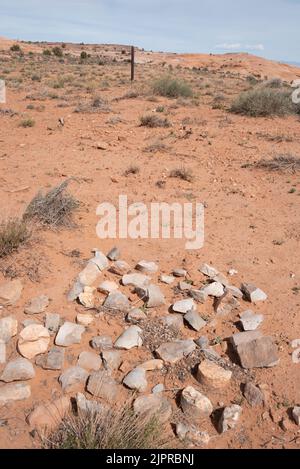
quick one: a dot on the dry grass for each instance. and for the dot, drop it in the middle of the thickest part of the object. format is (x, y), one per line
(108, 429)
(132, 169)
(156, 146)
(263, 102)
(13, 233)
(284, 163)
(54, 209)
(182, 173)
(27, 123)
(171, 87)
(151, 120)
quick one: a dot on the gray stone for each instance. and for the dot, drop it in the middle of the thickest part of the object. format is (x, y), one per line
(199, 296)
(112, 359)
(29, 322)
(117, 301)
(296, 414)
(253, 394)
(208, 270)
(108, 287)
(194, 319)
(147, 267)
(114, 254)
(72, 378)
(194, 404)
(135, 316)
(223, 306)
(243, 337)
(172, 352)
(173, 320)
(101, 384)
(2, 352)
(235, 292)
(215, 289)
(152, 295)
(168, 279)
(10, 292)
(229, 418)
(101, 342)
(76, 289)
(153, 404)
(8, 328)
(189, 435)
(52, 323)
(130, 338)
(100, 260)
(37, 305)
(158, 388)
(151, 365)
(120, 268)
(14, 392)
(179, 273)
(19, 369)
(252, 293)
(202, 342)
(251, 321)
(213, 376)
(221, 279)
(89, 361)
(184, 286)
(53, 360)
(183, 306)
(88, 275)
(296, 356)
(69, 334)
(87, 406)
(136, 379)
(135, 280)
(259, 353)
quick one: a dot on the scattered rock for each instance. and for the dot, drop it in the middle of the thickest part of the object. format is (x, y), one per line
(112, 359)
(33, 340)
(194, 404)
(244, 337)
(135, 280)
(229, 418)
(76, 289)
(199, 296)
(69, 334)
(152, 365)
(108, 287)
(253, 395)
(101, 384)
(188, 434)
(135, 316)
(136, 379)
(8, 328)
(251, 321)
(2, 352)
(296, 414)
(53, 360)
(86, 298)
(152, 295)
(252, 293)
(184, 286)
(89, 361)
(130, 338)
(158, 388)
(116, 300)
(153, 404)
(101, 342)
(14, 392)
(296, 356)
(202, 342)
(258, 353)
(114, 254)
(52, 323)
(167, 279)
(208, 270)
(194, 319)
(10, 292)
(221, 279)
(120, 268)
(235, 292)
(84, 319)
(183, 306)
(295, 343)
(102, 146)
(232, 272)
(87, 406)
(19, 369)
(212, 375)
(215, 289)
(179, 273)
(47, 417)
(147, 267)
(88, 276)
(37, 305)
(72, 378)
(172, 352)
(173, 320)
(100, 260)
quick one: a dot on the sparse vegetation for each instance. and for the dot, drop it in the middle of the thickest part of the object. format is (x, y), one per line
(151, 120)
(263, 102)
(155, 146)
(27, 123)
(182, 173)
(54, 209)
(132, 169)
(83, 55)
(13, 233)
(171, 87)
(284, 163)
(47, 52)
(57, 51)
(15, 48)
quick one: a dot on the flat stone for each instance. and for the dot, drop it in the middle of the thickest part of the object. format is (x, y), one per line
(259, 353)
(53, 360)
(244, 337)
(76, 289)
(295, 343)
(167, 279)
(2, 352)
(212, 375)
(183, 306)
(184, 286)
(19, 369)
(114, 254)
(10, 292)
(172, 352)
(229, 418)
(251, 321)
(153, 404)
(69, 334)
(202, 342)
(152, 296)
(252, 293)
(33, 340)
(147, 267)
(215, 289)
(194, 404)
(179, 273)
(173, 320)
(296, 356)
(8, 328)
(73, 378)
(101, 384)
(151, 365)
(199, 296)
(223, 306)
(208, 270)
(253, 395)
(130, 338)
(84, 319)
(29, 322)
(235, 292)
(100, 260)
(52, 322)
(221, 279)
(89, 361)
(135, 280)
(135, 316)
(296, 414)
(120, 267)
(136, 379)
(88, 406)
(88, 275)
(112, 359)
(194, 319)
(189, 434)
(87, 298)
(117, 301)
(158, 388)
(14, 392)
(48, 416)
(108, 287)
(37, 305)
(102, 342)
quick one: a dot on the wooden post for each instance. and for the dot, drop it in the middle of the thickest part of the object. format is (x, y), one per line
(132, 63)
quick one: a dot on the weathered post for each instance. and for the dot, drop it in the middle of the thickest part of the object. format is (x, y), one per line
(132, 63)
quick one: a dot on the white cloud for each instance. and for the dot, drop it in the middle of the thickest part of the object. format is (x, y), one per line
(239, 46)
(228, 46)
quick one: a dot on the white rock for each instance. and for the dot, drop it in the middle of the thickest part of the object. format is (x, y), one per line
(87, 406)
(172, 352)
(147, 267)
(168, 279)
(88, 275)
(296, 356)
(295, 343)
(101, 384)
(2, 352)
(10, 292)
(252, 293)
(33, 340)
(86, 298)
(89, 361)
(153, 404)
(112, 359)
(215, 289)
(229, 418)
(8, 328)
(183, 306)
(195, 404)
(232, 272)
(37, 305)
(135, 280)
(158, 388)
(108, 287)
(208, 270)
(120, 268)
(189, 434)
(296, 414)
(194, 319)
(135, 316)
(14, 392)
(19, 369)
(130, 338)
(52, 322)
(114, 254)
(179, 273)
(72, 378)
(100, 260)
(251, 321)
(85, 319)
(136, 379)
(117, 301)
(101, 342)
(69, 334)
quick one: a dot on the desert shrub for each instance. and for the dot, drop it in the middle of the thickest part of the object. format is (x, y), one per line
(273, 83)
(182, 173)
(27, 123)
(262, 102)
(15, 48)
(83, 55)
(171, 87)
(151, 120)
(155, 146)
(284, 163)
(132, 169)
(57, 52)
(107, 429)
(13, 233)
(47, 52)
(54, 209)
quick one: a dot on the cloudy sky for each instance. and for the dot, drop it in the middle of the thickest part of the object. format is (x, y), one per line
(269, 28)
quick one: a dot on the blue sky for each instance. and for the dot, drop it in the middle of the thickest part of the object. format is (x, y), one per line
(270, 28)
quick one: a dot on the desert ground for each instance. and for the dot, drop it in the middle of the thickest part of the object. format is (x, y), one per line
(71, 117)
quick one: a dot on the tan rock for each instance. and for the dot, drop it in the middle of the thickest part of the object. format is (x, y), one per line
(151, 365)
(194, 404)
(85, 319)
(14, 392)
(33, 340)
(8, 328)
(49, 415)
(212, 375)
(10, 292)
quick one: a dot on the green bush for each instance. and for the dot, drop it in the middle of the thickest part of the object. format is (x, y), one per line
(262, 102)
(57, 51)
(13, 233)
(15, 48)
(83, 55)
(27, 123)
(47, 52)
(151, 120)
(171, 87)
